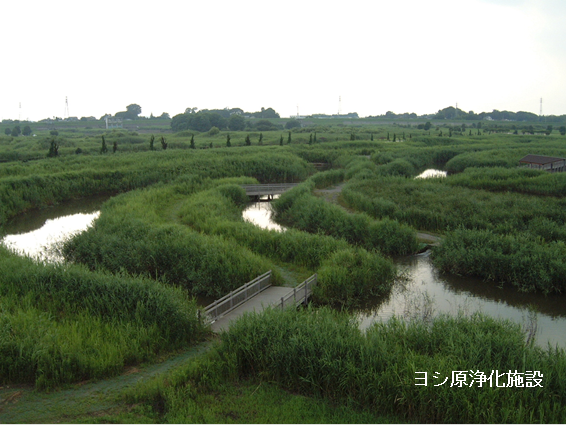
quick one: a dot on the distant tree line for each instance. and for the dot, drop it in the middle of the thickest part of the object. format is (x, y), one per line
(224, 119)
(451, 113)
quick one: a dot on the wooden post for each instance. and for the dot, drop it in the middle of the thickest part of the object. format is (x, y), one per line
(282, 304)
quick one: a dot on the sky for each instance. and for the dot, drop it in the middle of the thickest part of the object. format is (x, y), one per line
(293, 56)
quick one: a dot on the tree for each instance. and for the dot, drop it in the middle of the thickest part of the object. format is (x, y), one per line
(152, 139)
(236, 122)
(288, 137)
(561, 130)
(310, 139)
(192, 146)
(247, 141)
(54, 133)
(7, 131)
(114, 146)
(163, 143)
(228, 145)
(16, 131)
(131, 113)
(427, 126)
(371, 137)
(260, 139)
(27, 130)
(103, 149)
(292, 124)
(315, 137)
(281, 139)
(53, 149)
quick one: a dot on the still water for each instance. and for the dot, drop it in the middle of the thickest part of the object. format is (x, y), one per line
(424, 292)
(38, 234)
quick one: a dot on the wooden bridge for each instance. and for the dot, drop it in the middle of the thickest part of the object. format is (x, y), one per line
(269, 190)
(256, 295)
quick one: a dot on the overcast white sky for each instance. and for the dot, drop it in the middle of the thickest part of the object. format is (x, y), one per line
(403, 56)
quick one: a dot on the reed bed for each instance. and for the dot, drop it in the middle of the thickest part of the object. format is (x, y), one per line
(50, 181)
(323, 353)
(437, 205)
(300, 209)
(64, 324)
(521, 180)
(512, 259)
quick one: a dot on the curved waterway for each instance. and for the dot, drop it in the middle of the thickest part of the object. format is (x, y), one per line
(425, 292)
(38, 234)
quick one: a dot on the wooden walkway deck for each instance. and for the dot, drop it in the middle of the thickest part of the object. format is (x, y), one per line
(256, 295)
(257, 190)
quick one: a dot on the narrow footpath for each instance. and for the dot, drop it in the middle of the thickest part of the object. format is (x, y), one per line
(23, 404)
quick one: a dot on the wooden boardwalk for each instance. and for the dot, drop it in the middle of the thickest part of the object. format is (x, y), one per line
(256, 296)
(258, 190)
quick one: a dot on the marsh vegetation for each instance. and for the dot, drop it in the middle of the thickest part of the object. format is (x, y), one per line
(174, 230)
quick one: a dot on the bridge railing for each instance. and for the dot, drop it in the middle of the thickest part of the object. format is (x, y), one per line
(263, 189)
(237, 297)
(300, 293)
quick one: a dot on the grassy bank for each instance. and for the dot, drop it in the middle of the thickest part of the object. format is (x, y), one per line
(322, 354)
(64, 324)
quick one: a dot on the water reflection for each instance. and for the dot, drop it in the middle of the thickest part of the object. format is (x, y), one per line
(42, 243)
(260, 214)
(427, 292)
(432, 173)
(38, 233)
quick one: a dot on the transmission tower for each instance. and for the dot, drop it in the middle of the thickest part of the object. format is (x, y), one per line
(340, 109)
(66, 114)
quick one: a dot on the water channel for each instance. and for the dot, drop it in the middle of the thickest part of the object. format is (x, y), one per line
(424, 292)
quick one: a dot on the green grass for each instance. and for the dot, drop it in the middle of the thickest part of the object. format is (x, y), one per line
(63, 324)
(332, 368)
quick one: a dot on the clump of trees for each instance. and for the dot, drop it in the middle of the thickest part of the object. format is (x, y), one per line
(131, 113)
(224, 119)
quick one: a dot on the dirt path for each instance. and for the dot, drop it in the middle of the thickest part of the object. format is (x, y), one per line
(22, 404)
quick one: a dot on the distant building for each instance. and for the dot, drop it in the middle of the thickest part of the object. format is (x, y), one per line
(112, 122)
(547, 163)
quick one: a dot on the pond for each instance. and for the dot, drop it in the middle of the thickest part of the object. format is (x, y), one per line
(425, 292)
(37, 234)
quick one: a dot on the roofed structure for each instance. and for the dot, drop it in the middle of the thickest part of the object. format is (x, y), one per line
(541, 162)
